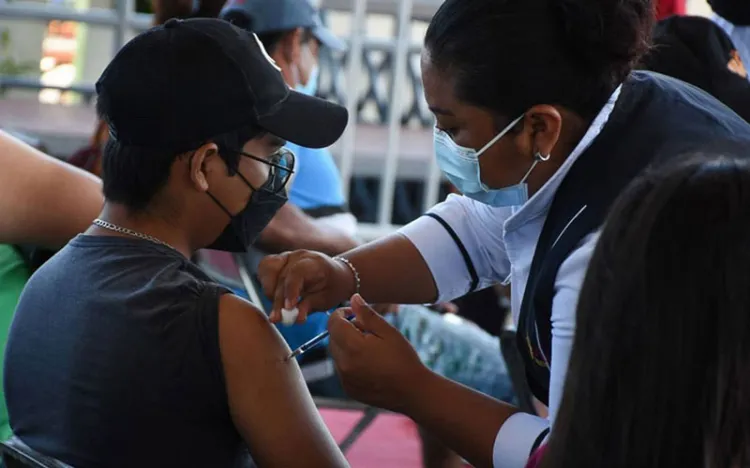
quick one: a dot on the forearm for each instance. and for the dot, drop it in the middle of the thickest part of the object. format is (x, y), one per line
(291, 229)
(392, 270)
(465, 420)
(44, 201)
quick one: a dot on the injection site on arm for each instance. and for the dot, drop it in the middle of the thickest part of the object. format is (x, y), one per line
(268, 398)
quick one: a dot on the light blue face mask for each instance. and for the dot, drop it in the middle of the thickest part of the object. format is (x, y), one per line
(311, 87)
(461, 166)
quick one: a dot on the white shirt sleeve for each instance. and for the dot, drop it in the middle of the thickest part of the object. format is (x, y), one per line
(516, 439)
(461, 241)
(567, 286)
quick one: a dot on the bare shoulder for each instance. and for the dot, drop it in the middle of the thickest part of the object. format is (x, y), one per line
(243, 324)
(234, 305)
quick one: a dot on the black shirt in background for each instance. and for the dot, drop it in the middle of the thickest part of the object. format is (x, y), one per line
(113, 360)
(736, 12)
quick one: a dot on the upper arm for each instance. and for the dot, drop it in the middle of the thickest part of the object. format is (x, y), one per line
(461, 242)
(268, 399)
(44, 201)
(568, 285)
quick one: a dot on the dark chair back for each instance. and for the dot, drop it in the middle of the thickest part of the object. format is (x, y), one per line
(16, 454)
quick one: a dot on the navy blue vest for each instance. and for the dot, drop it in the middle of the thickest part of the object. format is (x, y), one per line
(656, 118)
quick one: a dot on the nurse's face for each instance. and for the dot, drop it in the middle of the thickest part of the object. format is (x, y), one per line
(509, 159)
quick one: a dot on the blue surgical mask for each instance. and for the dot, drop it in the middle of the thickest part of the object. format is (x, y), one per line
(311, 87)
(461, 166)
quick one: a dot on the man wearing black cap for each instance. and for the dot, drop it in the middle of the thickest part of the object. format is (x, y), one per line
(123, 353)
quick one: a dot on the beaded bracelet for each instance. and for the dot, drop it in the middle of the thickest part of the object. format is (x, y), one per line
(346, 262)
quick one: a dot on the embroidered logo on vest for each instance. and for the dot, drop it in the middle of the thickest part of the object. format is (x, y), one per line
(735, 64)
(536, 353)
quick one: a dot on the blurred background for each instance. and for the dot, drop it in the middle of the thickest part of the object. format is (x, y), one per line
(52, 51)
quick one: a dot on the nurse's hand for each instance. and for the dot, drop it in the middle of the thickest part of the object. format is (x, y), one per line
(375, 363)
(318, 280)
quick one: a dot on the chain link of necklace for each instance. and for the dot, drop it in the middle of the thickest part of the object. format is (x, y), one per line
(130, 232)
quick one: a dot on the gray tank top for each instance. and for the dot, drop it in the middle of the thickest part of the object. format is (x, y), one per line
(113, 360)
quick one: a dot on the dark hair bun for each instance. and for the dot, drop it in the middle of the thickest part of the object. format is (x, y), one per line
(610, 34)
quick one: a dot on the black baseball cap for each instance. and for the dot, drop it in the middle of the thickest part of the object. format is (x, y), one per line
(695, 50)
(268, 16)
(177, 85)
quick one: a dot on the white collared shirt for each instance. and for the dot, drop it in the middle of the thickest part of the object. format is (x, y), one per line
(499, 244)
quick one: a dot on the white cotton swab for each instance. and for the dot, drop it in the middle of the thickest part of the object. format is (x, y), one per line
(289, 316)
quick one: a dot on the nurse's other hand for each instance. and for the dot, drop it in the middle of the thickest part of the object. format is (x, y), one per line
(375, 363)
(306, 280)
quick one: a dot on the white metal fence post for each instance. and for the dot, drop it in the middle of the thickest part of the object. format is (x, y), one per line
(353, 69)
(388, 181)
(124, 9)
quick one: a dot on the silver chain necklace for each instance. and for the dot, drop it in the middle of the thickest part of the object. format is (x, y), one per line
(130, 232)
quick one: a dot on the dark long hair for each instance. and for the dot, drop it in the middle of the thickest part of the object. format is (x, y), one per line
(659, 375)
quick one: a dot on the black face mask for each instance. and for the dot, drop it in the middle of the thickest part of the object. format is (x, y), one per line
(245, 227)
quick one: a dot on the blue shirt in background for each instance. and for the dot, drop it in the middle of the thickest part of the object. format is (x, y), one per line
(317, 182)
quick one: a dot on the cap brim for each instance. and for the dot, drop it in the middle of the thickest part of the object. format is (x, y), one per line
(328, 39)
(306, 121)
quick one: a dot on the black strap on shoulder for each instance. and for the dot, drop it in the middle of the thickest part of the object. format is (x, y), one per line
(538, 441)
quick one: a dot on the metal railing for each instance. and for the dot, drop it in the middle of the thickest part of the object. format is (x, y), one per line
(124, 21)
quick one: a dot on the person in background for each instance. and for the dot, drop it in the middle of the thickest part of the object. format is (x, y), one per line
(44, 201)
(733, 16)
(317, 217)
(122, 352)
(659, 375)
(697, 51)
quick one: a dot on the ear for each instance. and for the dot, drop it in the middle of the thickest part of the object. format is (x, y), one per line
(205, 163)
(544, 122)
